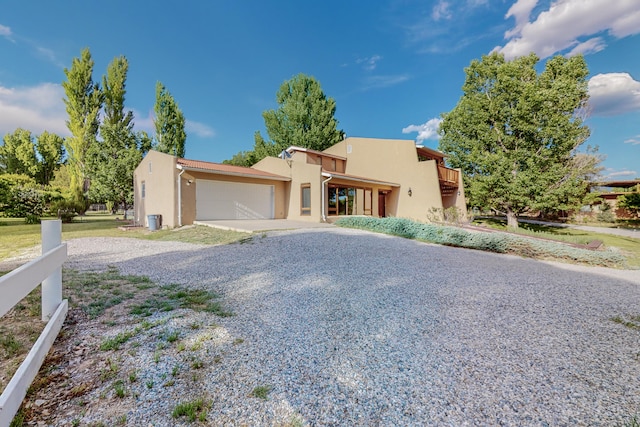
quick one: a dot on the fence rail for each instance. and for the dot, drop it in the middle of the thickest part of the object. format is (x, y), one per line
(47, 269)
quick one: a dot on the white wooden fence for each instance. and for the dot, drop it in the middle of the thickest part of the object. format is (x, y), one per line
(16, 285)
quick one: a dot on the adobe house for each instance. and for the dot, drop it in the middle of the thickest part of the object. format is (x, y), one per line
(357, 176)
(611, 191)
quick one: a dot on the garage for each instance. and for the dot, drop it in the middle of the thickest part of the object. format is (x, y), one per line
(233, 200)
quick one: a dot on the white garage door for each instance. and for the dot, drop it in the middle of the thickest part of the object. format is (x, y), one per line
(232, 200)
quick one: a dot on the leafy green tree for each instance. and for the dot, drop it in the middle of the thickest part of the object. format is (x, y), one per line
(83, 102)
(630, 202)
(61, 180)
(515, 134)
(242, 158)
(50, 147)
(114, 157)
(304, 118)
(169, 122)
(18, 154)
(20, 196)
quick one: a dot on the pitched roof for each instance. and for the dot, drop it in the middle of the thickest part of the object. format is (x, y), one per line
(222, 169)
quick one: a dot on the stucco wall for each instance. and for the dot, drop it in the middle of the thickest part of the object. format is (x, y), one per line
(188, 195)
(158, 171)
(394, 161)
(300, 172)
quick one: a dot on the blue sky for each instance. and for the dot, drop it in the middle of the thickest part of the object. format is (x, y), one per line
(393, 66)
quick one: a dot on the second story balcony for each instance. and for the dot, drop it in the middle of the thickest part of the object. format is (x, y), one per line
(449, 180)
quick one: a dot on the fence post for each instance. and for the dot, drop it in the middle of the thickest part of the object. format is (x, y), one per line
(52, 285)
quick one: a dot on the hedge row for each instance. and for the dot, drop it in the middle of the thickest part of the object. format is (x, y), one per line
(493, 242)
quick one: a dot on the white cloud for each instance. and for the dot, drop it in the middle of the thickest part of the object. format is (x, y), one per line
(441, 11)
(633, 141)
(370, 63)
(199, 129)
(521, 10)
(428, 130)
(593, 45)
(560, 27)
(620, 173)
(613, 93)
(144, 122)
(5, 31)
(379, 82)
(626, 25)
(49, 55)
(36, 108)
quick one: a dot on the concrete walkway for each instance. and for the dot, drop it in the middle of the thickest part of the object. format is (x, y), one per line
(257, 225)
(624, 232)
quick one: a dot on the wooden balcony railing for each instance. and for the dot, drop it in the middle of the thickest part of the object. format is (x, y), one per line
(447, 175)
(448, 179)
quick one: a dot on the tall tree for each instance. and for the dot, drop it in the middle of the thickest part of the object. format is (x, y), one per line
(515, 134)
(50, 147)
(18, 154)
(114, 157)
(169, 123)
(305, 118)
(83, 102)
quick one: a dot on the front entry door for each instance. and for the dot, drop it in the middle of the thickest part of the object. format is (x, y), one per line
(382, 212)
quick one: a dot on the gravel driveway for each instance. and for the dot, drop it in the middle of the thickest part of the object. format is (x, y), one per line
(355, 328)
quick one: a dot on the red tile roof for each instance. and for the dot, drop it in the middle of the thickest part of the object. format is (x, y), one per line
(227, 169)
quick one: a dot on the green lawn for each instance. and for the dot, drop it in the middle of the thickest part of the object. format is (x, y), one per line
(630, 247)
(16, 236)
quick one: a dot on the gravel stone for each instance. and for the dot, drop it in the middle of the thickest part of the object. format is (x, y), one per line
(354, 328)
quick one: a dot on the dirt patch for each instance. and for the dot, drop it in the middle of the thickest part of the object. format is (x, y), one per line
(115, 345)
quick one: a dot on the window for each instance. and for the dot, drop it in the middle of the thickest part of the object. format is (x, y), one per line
(349, 200)
(333, 164)
(305, 199)
(150, 171)
(143, 190)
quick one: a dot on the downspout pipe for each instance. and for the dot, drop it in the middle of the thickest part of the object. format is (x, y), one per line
(324, 216)
(180, 196)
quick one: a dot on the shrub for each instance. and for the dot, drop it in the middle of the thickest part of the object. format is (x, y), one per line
(65, 209)
(32, 219)
(25, 202)
(606, 213)
(492, 242)
(20, 196)
(450, 215)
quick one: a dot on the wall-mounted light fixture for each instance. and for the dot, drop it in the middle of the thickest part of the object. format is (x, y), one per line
(189, 181)
(409, 192)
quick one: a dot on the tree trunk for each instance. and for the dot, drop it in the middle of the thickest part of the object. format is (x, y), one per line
(512, 220)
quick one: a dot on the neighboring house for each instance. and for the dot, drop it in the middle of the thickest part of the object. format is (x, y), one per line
(357, 176)
(611, 191)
